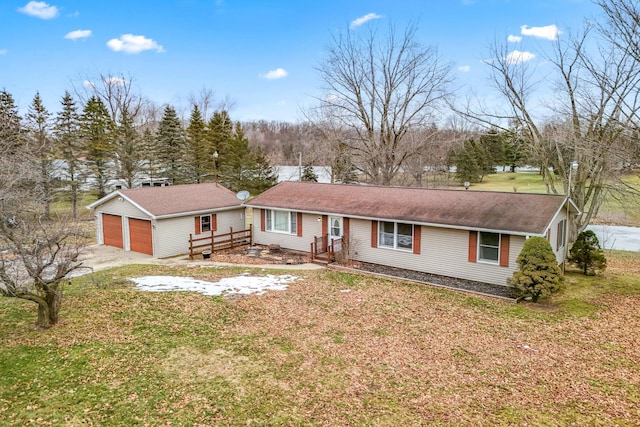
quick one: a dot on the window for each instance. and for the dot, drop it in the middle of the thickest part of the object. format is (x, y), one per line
(281, 221)
(336, 227)
(395, 235)
(489, 247)
(205, 223)
(560, 234)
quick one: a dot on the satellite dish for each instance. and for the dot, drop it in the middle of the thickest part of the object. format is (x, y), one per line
(242, 195)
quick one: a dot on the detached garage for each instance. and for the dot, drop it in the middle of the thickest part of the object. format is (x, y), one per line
(157, 221)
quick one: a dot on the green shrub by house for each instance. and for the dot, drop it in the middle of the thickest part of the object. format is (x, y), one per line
(587, 254)
(539, 275)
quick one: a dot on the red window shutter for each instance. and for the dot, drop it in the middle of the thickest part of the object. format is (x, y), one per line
(345, 227)
(197, 224)
(416, 239)
(504, 250)
(263, 221)
(549, 235)
(325, 225)
(374, 234)
(214, 222)
(473, 246)
(299, 224)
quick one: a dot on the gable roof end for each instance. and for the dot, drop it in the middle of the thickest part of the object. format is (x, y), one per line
(176, 199)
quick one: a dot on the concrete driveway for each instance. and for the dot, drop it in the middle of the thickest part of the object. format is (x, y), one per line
(101, 257)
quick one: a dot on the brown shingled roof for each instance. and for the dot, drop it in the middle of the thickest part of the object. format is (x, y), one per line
(176, 199)
(513, 212)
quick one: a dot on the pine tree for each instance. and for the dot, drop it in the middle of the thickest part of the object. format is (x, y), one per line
(539, 275)
(170, 143)
(199, 154)
(128, 156)
(472, 162)
(10, 124)
(262, 176)
(41, 145)
(587, 254)
(149, 151)
(308, 175)
(219, 131)
(493, 144)
(68, 146)
(516, 151)
(96, 130)
(242, 168)
(344, 171)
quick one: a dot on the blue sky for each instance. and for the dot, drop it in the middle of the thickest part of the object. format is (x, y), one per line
(261, 54)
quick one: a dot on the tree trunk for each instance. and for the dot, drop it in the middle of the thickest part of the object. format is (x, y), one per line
(48, 310)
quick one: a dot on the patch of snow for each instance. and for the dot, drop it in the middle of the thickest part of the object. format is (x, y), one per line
(239, 285)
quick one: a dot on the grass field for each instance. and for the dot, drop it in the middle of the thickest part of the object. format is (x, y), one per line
(334, 349)
(625, 211)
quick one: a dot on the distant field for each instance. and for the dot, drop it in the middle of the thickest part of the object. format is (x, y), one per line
(521, 182)
(624, 211)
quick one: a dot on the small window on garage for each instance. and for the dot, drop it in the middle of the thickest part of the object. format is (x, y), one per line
(205, 223)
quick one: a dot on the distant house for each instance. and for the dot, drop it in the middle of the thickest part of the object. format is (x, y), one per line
(292, 173)
(159, 220)
(146, 182)
(465, 234)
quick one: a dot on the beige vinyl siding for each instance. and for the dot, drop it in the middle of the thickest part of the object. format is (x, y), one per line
(123, 208)
(310, 227)
(171, 236)
(443, 251)
(554, 236)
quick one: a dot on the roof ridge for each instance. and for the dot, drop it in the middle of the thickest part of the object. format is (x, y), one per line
(398, 187)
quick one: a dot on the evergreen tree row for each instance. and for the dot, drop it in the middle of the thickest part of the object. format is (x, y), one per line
(93, 147)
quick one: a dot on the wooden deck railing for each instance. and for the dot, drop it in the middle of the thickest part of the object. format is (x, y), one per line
(217, 242)
(322, 245)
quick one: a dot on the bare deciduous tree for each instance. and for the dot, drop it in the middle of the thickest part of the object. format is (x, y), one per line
(594, 103)
(36, 254)
(378, 87)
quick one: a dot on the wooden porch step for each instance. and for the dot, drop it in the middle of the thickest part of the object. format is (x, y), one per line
(322, 259)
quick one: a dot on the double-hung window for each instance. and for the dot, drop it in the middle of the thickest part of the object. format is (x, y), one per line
(395, 235)
(489, 247)
(281, 221)
(205, 223)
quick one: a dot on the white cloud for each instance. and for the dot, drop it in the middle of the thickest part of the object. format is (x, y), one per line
(115, 81)
(130, 43)
(514, 39)
(364, 19)
(549, 32)
(518, 56)
(3, 51)
(88, 84)
(332, 98)
(78, 34)
(39, 9)
(278, 73)
(464, 68)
